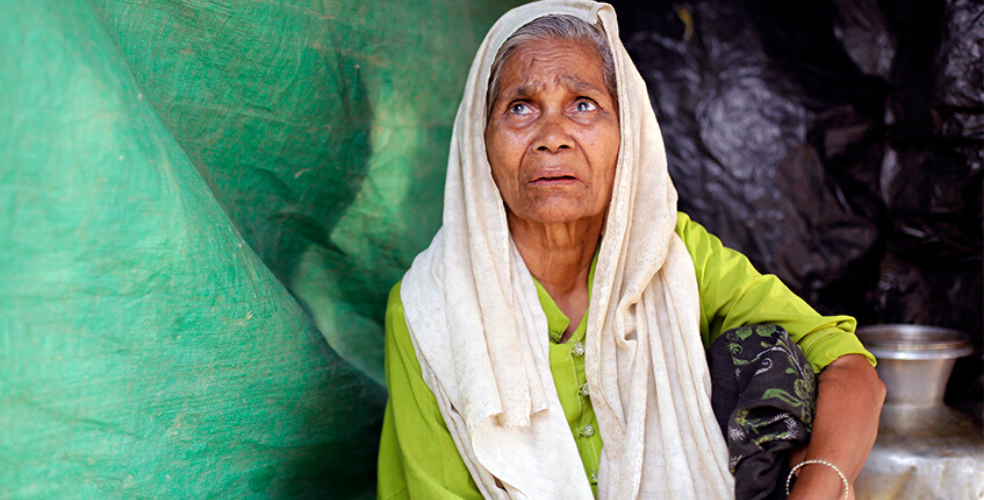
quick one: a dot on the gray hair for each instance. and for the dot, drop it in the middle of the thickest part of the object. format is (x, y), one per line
(559, 27)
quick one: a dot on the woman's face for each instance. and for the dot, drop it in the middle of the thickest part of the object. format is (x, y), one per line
(553, 136)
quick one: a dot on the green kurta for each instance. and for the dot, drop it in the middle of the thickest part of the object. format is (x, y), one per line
(417, 456)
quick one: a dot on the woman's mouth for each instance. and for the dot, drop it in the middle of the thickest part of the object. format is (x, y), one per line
(553, 177)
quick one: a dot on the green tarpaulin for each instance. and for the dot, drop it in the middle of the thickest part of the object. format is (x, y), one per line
(204, 205)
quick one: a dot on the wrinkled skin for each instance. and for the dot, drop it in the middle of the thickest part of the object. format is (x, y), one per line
(553, 136)
(553, 142)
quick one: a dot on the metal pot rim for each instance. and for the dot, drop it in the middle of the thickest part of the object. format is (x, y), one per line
(898, 341)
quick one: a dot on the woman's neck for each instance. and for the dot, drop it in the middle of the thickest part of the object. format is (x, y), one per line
(559, 256)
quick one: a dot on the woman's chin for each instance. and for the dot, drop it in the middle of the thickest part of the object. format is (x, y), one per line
(559, 212)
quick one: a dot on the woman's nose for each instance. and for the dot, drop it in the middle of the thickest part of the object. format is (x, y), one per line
(552, 134)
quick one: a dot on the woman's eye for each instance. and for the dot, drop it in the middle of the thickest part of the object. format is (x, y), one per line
(519, 108)
(583, 106)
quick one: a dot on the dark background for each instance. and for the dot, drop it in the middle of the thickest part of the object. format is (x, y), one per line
(837, 144)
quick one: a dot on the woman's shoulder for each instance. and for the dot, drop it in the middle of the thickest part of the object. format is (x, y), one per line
(686, 228)
(400, 352)
(696, 239)
(394, 300)
(682, 220)
(396, 324)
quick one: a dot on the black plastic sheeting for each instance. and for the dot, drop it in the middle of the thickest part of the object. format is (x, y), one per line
(837, 144)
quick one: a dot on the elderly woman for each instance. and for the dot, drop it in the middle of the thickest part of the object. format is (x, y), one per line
(550, 343)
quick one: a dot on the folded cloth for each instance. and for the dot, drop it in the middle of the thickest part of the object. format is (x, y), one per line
(763, 391)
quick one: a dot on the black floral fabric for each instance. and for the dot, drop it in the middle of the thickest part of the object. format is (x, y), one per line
(764, 396)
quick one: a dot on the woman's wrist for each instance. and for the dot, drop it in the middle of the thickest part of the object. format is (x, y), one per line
(819, 479)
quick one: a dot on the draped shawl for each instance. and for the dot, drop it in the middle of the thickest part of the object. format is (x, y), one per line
(481, 336)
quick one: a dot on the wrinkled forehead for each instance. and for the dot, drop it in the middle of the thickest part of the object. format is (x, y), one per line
(554, 42)
(478, 90)
(538, 63)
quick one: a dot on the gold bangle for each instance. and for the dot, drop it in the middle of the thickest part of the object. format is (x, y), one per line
(847, 486)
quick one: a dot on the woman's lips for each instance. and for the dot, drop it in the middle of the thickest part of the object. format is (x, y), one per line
(548, 177)
(557, 178)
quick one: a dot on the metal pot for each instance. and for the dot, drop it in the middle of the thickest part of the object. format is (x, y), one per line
(924, 450)
(914, 361)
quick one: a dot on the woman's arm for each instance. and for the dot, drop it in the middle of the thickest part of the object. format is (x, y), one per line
(850, 397)
(733, 293)
(417, 455)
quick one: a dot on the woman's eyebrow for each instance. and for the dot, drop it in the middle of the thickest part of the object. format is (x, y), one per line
(578, 85)
(522, 91)
(530, 88)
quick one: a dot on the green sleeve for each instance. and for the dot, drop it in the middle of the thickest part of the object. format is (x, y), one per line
(733, 294)
(417, 456)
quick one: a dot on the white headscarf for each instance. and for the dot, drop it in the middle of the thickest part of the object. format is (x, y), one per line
(481, 335)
